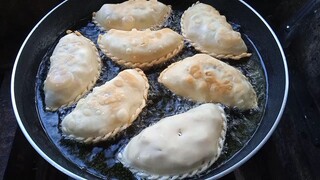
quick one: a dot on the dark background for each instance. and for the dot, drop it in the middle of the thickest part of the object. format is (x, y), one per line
(292, 152)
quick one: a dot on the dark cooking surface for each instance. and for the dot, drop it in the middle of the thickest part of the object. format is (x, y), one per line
(291, 153)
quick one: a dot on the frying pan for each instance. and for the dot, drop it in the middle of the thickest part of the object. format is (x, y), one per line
(66, 14)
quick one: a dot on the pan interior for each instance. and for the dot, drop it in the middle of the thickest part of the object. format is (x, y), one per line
(99, 159)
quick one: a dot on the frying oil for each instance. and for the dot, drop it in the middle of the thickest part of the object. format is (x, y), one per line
(100, 159)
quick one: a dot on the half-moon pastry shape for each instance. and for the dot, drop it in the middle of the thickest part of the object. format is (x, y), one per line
(178, 146)
(132, 14)
(108, 109)
(140, 49)
(75, 67)
(210, 33)
(203, 78)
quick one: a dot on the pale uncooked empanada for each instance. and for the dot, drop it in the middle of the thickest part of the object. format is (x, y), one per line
(75, 67)
(203, 78)
(109, 109)
(177, 146)
(210, 33)
(142, 49)
(138, 14)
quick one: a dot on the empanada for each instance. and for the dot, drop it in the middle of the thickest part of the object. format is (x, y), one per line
(141, 49)
(109, 109)
(203, 78)
(210, 33)
(178, 146)
(132, 14)
(75, 67)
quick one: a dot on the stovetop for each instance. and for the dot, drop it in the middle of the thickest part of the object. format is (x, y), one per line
(292, 152)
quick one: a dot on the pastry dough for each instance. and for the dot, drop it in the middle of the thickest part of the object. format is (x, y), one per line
(75, 67)
(178, 146)
(203, 78)
(109, 109)
(138, 14)
(140, 49)
(210, 33)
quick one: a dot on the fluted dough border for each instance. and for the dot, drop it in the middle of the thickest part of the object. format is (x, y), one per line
(92, 83)
(144, 65)
(154, 27)
(197, 47)
(203, 167)
(111, 134)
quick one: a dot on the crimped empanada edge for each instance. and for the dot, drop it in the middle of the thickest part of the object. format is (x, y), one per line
(121, 128)
(153, 27)
(144, 65)
(94, 20)
(203, 167)
(91, 84)
(197, 47)
(253, 106)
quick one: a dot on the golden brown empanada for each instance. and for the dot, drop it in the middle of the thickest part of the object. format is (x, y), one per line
(109, 109)
(178, 146)
(132, 14)
(203, 78)
(210, 33)
(75, 67)
(141, 49)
